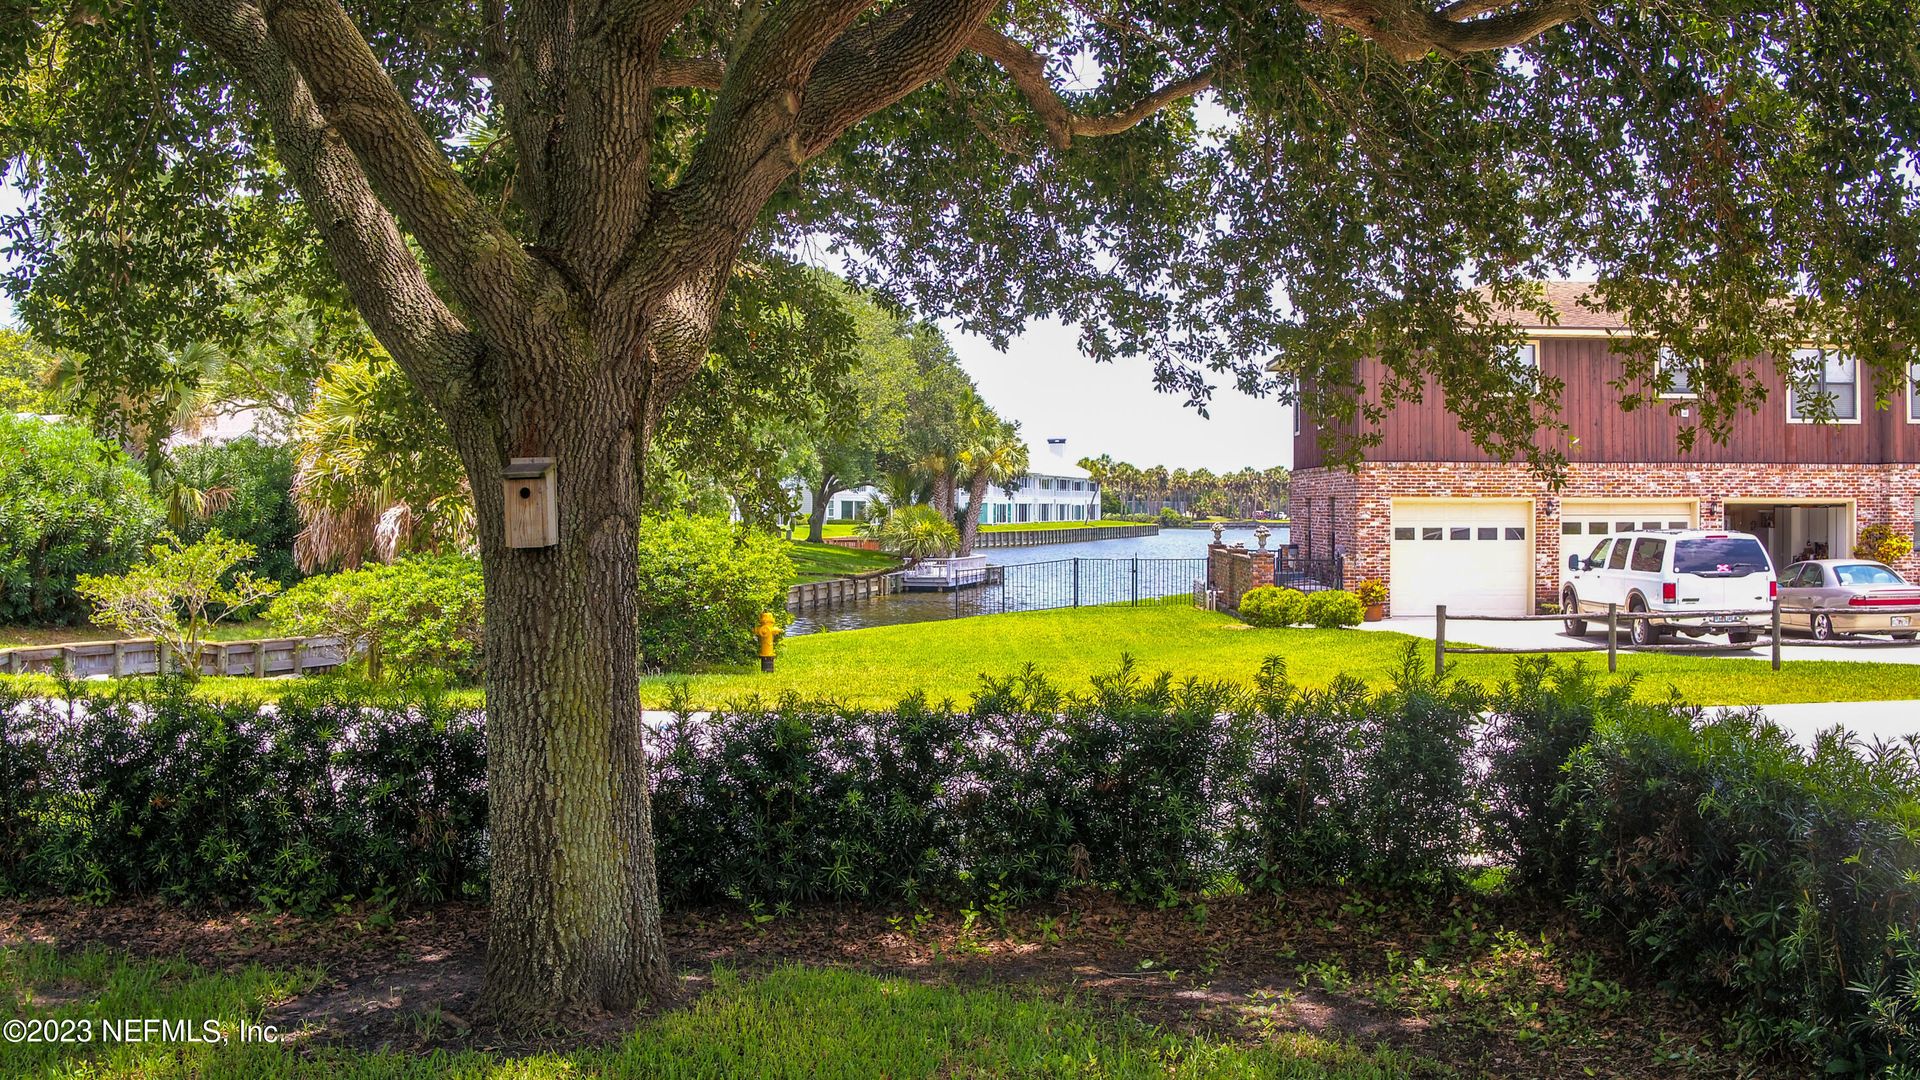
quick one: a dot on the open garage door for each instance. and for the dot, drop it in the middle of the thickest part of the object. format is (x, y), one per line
(1473, 555)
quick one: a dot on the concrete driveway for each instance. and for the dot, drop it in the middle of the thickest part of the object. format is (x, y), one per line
(1868, 719)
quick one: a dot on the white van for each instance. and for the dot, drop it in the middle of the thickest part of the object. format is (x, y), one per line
(1676, 571)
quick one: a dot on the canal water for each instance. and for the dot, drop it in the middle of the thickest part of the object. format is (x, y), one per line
(1042, 576)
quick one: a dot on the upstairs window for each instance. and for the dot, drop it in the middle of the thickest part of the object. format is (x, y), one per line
(1524, 356)
(1833, 376)
(1913, 394)
(1679, 375)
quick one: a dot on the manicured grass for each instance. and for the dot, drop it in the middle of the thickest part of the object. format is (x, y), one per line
(818, 562)
(879, 665)
(791, 1022)
(11, 636)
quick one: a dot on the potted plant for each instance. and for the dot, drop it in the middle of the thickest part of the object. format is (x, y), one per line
(1372, 594)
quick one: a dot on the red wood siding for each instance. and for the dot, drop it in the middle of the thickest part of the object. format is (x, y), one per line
(1603, 432)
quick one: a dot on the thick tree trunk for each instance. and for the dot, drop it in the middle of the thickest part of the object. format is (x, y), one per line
(575, 921)
(970, 527)
(817, 521)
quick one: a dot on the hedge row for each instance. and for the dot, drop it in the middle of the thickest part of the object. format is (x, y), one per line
(1781, 882)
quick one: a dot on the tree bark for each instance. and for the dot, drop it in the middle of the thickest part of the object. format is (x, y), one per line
(575, 919)
(970, 526)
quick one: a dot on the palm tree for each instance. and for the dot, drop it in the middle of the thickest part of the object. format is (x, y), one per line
(995, 455)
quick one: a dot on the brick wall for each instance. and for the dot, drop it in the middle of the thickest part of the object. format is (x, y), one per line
(1359, 522)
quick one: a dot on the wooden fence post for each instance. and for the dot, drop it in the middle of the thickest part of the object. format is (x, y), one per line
(1613, 637)
(1439, 640)
(1776, 633)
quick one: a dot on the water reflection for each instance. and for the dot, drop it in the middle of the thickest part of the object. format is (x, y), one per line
(1044, 576)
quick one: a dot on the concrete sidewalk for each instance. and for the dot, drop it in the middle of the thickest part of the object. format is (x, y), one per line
(1870, 720)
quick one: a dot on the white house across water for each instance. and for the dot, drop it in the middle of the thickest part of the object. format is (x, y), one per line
(1054, 489)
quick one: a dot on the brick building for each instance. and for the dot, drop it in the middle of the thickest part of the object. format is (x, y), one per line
(1442, 523)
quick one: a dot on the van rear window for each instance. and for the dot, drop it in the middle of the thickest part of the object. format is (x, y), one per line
(1727, 556)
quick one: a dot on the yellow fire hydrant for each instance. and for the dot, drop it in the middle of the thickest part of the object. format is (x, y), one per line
(766, 632)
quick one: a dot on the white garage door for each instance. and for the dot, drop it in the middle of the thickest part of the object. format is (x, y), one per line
(1473, 555)
(1583, 518)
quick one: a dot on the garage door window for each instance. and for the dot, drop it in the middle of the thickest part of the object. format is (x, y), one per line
(1516, 532)
(1403, 533)
(1430, 532)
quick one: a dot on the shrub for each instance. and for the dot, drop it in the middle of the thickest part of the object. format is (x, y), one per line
(703, 584)
(1270, 605)
(421, 617)
(243, 489)
(146, 790)
(1170, 518)
(1882, 544)
(69, 505)
(1350, 784)
(1332, 608)
(1370, 592)
(1779, 882)
(178, 593)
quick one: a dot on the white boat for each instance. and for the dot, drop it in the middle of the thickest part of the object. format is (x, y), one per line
(961, 572)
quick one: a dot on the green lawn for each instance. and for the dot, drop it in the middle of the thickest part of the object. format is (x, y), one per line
(11, 636)
(791, 1022)
(818, 562)
(876, 666)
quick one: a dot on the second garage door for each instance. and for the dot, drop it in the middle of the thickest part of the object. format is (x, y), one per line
(1473, 555)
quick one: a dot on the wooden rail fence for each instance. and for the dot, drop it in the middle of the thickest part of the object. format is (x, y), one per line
(263, 658)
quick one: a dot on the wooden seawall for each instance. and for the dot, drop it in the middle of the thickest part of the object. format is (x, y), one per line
(1027, 537)
(141, 656)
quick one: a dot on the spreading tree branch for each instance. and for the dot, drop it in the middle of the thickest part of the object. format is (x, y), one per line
(1028, 70)
(1408, 31)
(481, 261)
(387, 282)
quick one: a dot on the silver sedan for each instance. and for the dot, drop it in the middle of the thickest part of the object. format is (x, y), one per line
(1830, 598)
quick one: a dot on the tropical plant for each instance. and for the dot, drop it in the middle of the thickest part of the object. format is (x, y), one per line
(242, 487)
(917, 532)
(69, 505)
(1370, 592)
(1881, 543)
(178, 594)
(994, 456)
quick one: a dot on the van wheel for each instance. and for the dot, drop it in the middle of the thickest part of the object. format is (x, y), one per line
(1570, 607)
(1823, 628)
(1643, 631)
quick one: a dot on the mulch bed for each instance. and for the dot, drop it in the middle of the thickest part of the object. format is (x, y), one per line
(1239, 968)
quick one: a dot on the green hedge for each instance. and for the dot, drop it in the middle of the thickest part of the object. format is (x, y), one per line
(1780, 884)
(703, 583)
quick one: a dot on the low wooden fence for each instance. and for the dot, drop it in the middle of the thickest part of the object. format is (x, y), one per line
(145, 656)
(1030, 537)
(1769, 635)
(841, 590)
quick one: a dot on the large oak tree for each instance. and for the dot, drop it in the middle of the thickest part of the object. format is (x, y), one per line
(536, 206)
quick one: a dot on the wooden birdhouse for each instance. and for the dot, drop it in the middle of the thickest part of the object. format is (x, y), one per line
(533, 506)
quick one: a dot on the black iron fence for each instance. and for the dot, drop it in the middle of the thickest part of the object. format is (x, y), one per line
(1291, 571)
(1069, 583)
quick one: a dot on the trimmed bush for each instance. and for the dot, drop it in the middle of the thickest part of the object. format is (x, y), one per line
(69, 505)
(1271, 606)
(1331, 609)
(703, 584)
(419, 618)
(145, 790)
